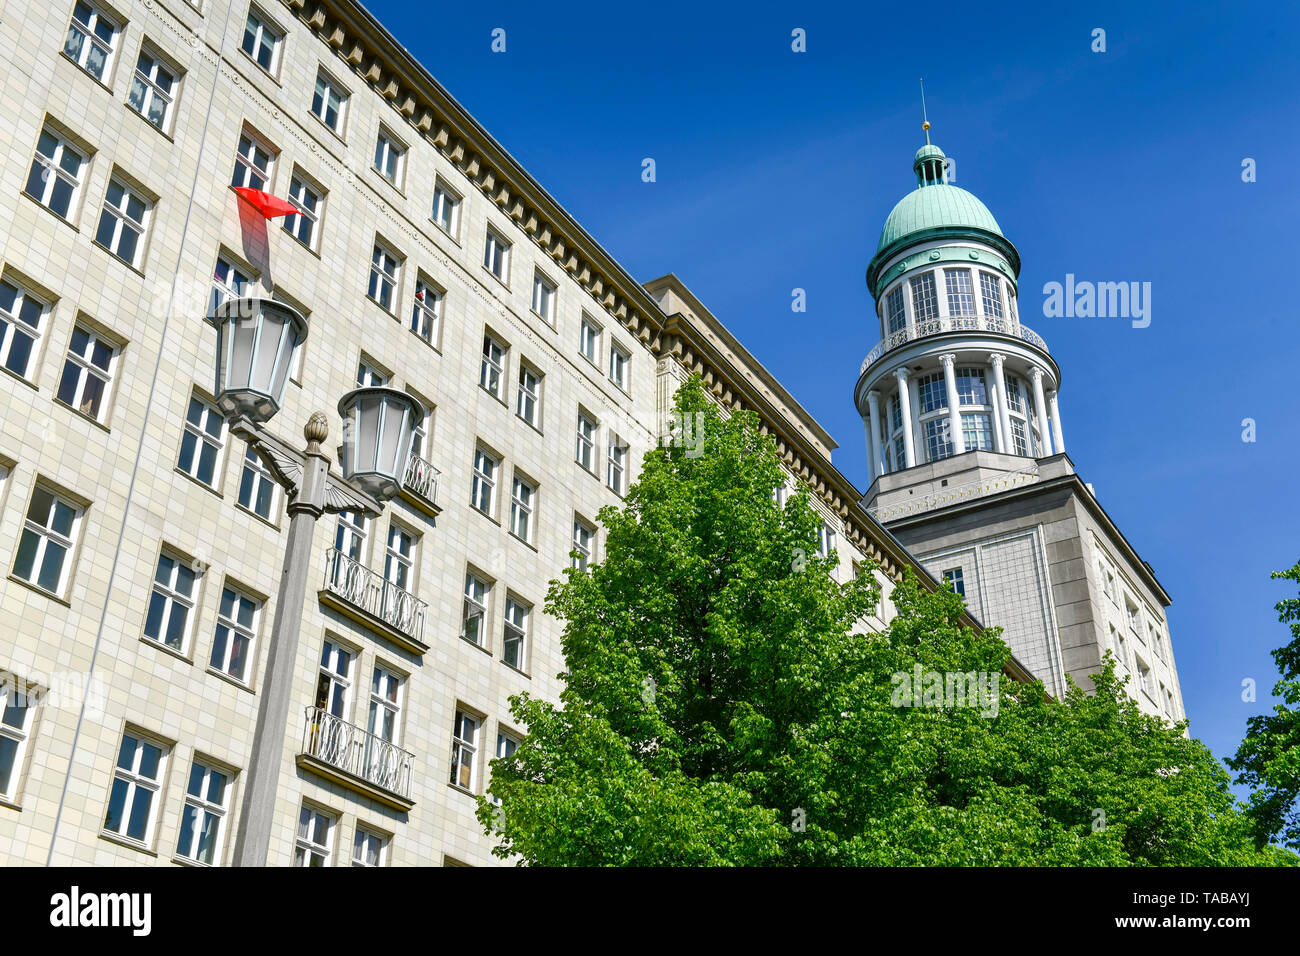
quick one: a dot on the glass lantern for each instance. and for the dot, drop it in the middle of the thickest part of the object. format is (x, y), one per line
(256, 341)
(378, 426)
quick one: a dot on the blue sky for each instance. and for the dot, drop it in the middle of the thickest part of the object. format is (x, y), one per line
(775, 170)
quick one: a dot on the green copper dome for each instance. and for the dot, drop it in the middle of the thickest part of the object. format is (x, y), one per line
(936, 206)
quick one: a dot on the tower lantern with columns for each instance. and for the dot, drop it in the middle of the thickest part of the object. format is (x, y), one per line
(954, 371)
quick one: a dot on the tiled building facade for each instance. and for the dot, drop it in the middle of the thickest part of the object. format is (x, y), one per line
(142, 545)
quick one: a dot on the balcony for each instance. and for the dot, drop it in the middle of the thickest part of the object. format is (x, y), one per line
(353, 758)
(369, 599)
(420, 486)
(954, 323)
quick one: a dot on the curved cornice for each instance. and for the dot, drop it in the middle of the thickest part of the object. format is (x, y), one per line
(941, 233)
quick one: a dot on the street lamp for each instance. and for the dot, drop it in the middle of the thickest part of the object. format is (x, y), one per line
(256, 342)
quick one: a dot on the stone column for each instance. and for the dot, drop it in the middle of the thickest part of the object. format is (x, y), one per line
(1040, 404)
(949, 360)
(1003, 431)
(905, 404)
(1057, 438)
(877, 465)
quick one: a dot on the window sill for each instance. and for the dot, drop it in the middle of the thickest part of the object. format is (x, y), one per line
(495, 521)
(442, 231)
(28, 382)
(230, 680)
(427, 342)
(261, 69)
(478, 647)
(383, 308)
(253, 514)
(127, 842)
(120, 261)
(40, 590)
(302, 244)
(13, 805)
(504, 283)
(194, 864)
(524, 541)
(518, 670)
(459, 789)
(329, 129)
(399, 188)
(109, 68)
(82, 415)
(495, 397)
(536, 428)
(144, 119)
(63, 219)
(202, 484)
(170, 651)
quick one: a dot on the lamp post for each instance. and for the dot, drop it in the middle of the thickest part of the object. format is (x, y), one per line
(256, 342)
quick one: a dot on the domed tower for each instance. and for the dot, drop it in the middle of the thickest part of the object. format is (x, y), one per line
(967, 459)
(955, 371)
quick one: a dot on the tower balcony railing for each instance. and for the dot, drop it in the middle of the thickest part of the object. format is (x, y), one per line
(361, 756)
(953, 323)
(375, 595)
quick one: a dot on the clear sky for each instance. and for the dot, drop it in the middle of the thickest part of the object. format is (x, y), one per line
(775, 171)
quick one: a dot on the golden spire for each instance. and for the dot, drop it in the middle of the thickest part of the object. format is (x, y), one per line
(925, 123)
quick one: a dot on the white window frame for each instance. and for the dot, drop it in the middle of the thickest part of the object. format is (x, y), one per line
(15, 322)
(589, 339)
(15, 700)
(368, 844)
(166, 592)
(265, 34)
(477, 594)
(389, 153)
(89, 31)
(426, 310)
(523, 502)
(492, 371)
(465, 732)
(620, 361)
(198, 436)
(585, 453)
(496, 256)
(446, 208)
(507, 744)
(385, 277)
(248, 172)
(528, 402)
(261, 478)
(49, 170)
(514, 635)
(336, 683)
(484, 485)
(123, 222)
(384, 716)
(201, 807)
(136, 782)
(399, 565)
(332, 97)
(44, 535)
(301, 190)
(223, 651)
(544, 295)
(308, 844)
(616, 465)
(231, 287)
(586, 548)
(149, 82)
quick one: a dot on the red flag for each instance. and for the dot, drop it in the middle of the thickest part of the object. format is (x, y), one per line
(269, 206)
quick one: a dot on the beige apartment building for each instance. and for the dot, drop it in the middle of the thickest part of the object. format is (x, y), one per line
(142, 544)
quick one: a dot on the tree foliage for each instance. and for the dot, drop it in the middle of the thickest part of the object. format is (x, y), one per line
(1268, 760)
(727, 704)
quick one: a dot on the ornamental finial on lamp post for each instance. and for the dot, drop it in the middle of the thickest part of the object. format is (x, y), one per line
(316, 431)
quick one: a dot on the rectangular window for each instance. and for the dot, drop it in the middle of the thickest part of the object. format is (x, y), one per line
(368, 375)
(971, 389)
(616, 472)
(384, 269)
(204, 817)
(22, 320)
(464, 746)
(895, 413)
(492, 371)
(232, 646)
(955, 578)
(56, 175)
(586, 454)
(446, 209)
(529, 400)
(961, 297)
(522, 498)
(1120, 648)
(153, 90)
(544, 298)
(369, 848)
(252, 164)
(426, 311)
(589, 340)
(92, 40)
(1015, 398)
(475, 614)
(584, 544)
(1019, 440)
(16, 712)
(228, 282)
(385, 706)
(1131, 612)
(257, 487)
(171, 605)
(334, 682)
(900, 453)
(399, 558)
(137, 778)
(938, 440)
(895, 311)
(262, 41)
(925, 303)
(315, 842)
(329, 103)
(496, 255)
(390, 157)
(933, 393)
(1144, 675)
(977, 431)
(514, 639)
(991, 295)
(307, 200)
(507, 744)
(122, 222)
(483, 492)
(825, 541)
(48, 538)
(618, 366)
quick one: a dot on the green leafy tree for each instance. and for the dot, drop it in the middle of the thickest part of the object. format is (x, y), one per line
(1268, 760)
(726, 705)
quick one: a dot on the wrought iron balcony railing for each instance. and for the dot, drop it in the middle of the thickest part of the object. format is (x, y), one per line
(422, 479)
(372, 593)
(953, 323)
(347, 748)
